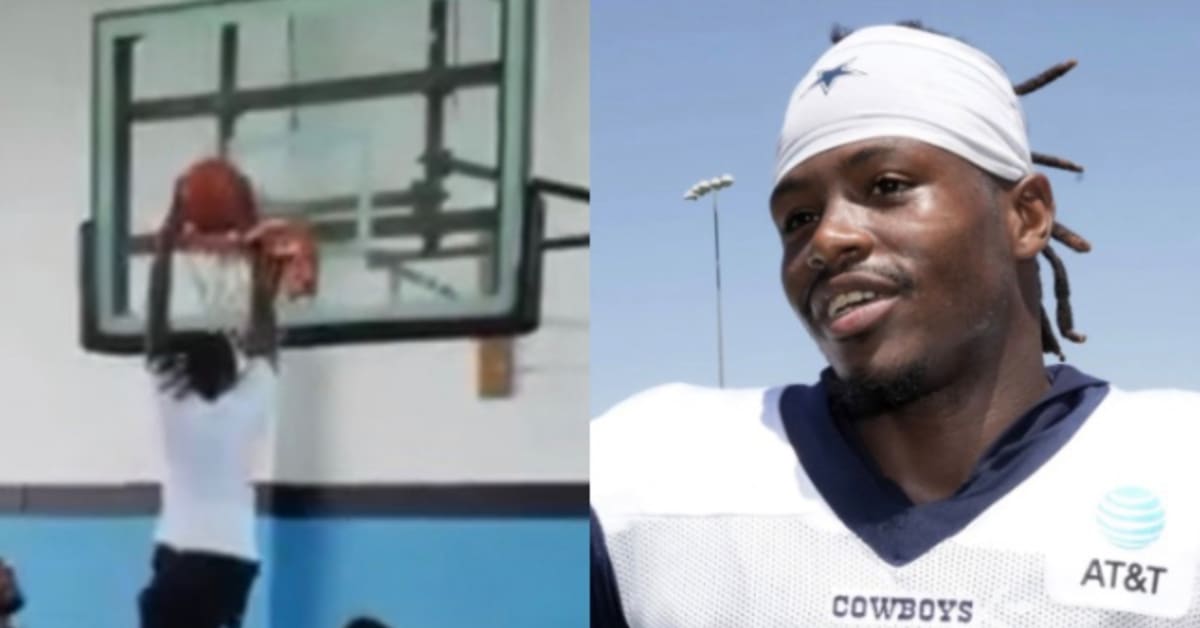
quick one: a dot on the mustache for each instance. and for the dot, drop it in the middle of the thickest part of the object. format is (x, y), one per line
(902, 280)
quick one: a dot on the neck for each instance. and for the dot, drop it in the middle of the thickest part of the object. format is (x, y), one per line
(930, 446)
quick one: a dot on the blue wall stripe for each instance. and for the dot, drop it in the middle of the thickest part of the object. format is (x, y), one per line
(432, 572)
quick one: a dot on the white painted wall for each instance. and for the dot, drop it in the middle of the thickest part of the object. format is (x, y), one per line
(401, 412)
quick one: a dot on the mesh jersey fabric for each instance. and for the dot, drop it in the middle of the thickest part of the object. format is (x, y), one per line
(709, 520)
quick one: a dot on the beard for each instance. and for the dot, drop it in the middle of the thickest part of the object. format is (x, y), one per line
(861, 397)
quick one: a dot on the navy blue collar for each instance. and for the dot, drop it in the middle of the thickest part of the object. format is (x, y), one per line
(874, 507)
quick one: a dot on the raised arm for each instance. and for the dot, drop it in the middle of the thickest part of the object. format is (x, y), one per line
(158, 325)
(262, 332)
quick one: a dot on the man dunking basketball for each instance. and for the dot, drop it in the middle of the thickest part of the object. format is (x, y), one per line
(212, 416)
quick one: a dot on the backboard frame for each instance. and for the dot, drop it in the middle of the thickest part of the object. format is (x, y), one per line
(228, 102)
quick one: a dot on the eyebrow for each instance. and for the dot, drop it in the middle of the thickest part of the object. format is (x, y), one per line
(858, 158)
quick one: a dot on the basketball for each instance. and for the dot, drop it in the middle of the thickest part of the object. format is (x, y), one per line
(216, 198)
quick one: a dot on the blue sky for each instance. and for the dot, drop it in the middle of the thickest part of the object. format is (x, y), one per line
(689, 89)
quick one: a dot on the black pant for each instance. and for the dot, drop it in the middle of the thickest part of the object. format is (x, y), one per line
(196, 590)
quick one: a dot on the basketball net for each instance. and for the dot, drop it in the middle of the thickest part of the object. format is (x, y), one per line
(221, 270)
(223, 286)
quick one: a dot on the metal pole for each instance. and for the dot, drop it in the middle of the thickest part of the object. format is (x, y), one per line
(717, 258)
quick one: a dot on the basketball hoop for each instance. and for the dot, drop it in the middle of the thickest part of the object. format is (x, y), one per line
(221, 267)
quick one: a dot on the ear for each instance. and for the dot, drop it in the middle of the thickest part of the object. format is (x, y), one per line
(1030, 215)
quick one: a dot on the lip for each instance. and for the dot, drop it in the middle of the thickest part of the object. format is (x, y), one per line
(858, 319)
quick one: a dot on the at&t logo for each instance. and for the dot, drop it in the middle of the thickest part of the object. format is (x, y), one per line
(1131, 518)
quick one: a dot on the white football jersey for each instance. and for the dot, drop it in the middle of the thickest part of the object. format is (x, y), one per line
(207, 497)
(710, 519)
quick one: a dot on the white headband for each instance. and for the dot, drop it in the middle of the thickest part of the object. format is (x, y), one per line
(887, 81)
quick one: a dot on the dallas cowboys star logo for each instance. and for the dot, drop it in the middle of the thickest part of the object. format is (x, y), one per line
(825, 78)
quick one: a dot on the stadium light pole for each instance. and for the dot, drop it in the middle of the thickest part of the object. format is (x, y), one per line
(695, 193)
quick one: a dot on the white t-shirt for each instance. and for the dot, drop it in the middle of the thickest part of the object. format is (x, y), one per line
(207, 495)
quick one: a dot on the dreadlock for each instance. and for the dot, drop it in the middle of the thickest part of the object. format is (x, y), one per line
(1064, 315)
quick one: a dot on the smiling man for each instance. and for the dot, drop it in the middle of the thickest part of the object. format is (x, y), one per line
(937, 473)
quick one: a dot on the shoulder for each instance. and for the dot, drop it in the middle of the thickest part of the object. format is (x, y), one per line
(1163, 410)
(679, 447)
(1173, 397)
(670, 418)
(648, 404)
(256, 383)
(259, 369)
(1149, 429)
(660, 411)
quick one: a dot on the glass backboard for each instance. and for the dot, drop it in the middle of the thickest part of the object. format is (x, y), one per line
(398, 129)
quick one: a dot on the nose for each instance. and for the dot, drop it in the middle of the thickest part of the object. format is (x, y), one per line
(841, 238)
